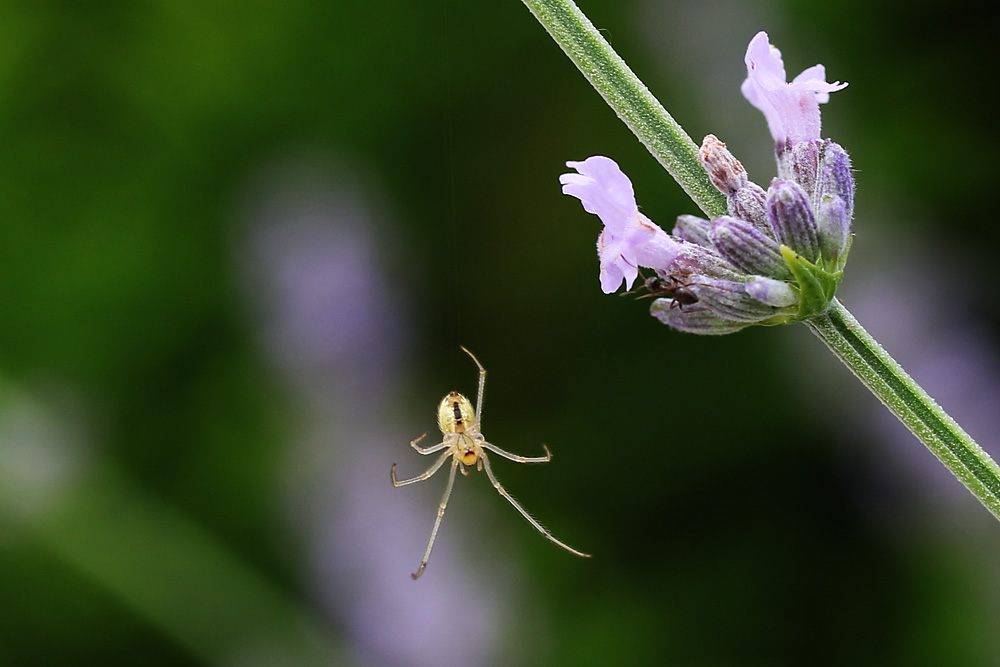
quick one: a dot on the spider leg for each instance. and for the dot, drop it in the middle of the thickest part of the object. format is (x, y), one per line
(517, 457)
(539, 527)
(428, 450)
(419, 478)
(482, 386)
(440, 515)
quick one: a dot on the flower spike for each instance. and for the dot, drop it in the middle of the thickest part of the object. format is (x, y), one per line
(776, 257)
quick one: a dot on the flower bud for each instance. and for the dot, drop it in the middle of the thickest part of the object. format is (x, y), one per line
(695, 260)
(694, 320)
(748, 203)
(834, 201)
(800, 163)
(694, 229)
(833, 227)
(729, 300)
(835, 178)
(713, 306)
(748, 248)
(772, 292)
(724, 170)
(792, 218)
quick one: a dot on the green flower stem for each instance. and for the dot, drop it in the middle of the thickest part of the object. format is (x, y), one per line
(669, 144)
(630, 99)
(910, 403)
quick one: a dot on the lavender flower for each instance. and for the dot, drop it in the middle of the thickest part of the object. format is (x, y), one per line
(778, 255)
(791, 109)
(705, 291)
(629, 239)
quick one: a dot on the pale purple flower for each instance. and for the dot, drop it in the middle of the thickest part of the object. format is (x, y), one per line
(629, 239)
(791, 109)
(775, 257)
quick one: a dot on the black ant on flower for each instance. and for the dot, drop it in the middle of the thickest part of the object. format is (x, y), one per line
(672, 287)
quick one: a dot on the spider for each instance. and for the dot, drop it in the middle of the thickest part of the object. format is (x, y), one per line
(464, 443)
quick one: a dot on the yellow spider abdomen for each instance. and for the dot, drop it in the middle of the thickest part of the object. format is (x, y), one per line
(455, 414)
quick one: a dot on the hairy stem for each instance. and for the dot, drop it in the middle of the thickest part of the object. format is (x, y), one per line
(910, 403)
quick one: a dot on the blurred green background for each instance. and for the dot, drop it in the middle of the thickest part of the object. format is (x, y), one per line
(240, 244)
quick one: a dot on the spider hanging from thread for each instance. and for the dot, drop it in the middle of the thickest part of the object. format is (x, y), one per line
(464, 443)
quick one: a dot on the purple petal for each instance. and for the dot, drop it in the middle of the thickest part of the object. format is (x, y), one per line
(813, 79)
(791, 109)
(764, 63)
(612, 270)
(629, 239)
(604, 190)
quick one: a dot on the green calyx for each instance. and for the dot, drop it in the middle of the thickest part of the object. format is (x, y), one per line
(817, 285)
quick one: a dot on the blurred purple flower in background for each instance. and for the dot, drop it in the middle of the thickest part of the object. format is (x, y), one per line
(313, 260)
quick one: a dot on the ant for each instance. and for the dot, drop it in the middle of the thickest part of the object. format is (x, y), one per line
(671, 287)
